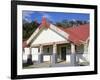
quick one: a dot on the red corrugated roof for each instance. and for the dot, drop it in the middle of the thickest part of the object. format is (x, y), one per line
(77, 34)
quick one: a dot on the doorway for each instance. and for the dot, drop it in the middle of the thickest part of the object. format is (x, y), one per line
(63, 53)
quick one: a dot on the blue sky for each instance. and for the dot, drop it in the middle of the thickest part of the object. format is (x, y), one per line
(53, 16)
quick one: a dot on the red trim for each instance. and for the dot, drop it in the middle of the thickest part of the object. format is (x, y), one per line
(24, 44)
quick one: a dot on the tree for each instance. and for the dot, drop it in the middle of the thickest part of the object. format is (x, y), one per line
(29, 28)
(66, 23)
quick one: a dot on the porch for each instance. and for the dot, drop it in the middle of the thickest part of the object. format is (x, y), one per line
(56, 55)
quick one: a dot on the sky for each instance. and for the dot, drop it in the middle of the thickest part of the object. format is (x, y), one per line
(30, 16)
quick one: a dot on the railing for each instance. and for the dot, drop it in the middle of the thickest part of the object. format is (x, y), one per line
(80, 56)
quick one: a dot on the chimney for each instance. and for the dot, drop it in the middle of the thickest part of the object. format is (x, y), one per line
(44, 20)
(44, 23)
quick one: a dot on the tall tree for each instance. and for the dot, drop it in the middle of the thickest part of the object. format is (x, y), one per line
(29, 28)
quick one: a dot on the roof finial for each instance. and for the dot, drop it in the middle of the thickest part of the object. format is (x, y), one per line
(44, 20)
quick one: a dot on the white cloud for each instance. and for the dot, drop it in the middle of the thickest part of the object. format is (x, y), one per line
(44, 14)
(27, 15)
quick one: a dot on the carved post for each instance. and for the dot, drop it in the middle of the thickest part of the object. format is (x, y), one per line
(54, 55)
(40, 56)
(73, 55)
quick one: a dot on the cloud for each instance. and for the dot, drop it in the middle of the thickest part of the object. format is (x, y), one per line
(44, 14)
(26, 15)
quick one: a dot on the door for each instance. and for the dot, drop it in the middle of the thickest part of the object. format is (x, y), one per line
(63, 53)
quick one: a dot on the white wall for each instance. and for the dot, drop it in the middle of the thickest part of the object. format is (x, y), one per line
(34, 54)
(25, 54)
(68, 58)
(47, 36)
(47, 57)
(50, 49)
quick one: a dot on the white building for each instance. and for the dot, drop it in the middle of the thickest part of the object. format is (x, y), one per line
(54, 44)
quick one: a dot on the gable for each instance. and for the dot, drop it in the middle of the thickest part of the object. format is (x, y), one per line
(47, 36)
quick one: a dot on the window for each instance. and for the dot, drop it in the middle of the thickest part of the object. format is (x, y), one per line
(48, 50)
(80, 48)
(38, 49)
